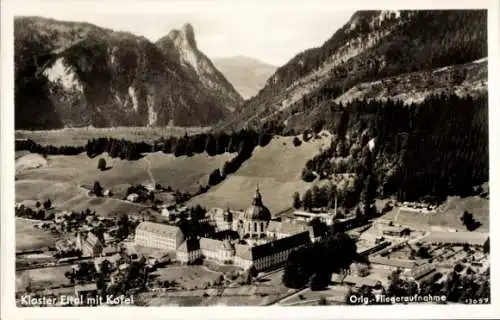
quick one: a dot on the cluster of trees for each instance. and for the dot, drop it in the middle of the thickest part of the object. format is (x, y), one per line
(211, 143)
(195, 227)
(469, 222)
(39, 213)
(313, 265)
(27, 212)
(142, 193)
(33, 147)
(83, 274)
(68, 253)
(116, 148)
(125, 227)
(247, 143)
(97, 189)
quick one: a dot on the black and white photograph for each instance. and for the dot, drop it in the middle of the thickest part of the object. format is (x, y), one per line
(278, 155)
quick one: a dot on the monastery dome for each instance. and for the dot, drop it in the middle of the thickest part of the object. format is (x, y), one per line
(257, 210)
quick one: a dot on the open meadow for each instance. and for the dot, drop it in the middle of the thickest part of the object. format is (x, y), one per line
(79, 136)
(276, 169)
(29, 238)
(43, 278)
(188, 277)
(61, 178)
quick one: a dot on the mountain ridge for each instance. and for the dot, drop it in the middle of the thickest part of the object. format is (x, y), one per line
(181, 44)
(71, 74)
(372, 45)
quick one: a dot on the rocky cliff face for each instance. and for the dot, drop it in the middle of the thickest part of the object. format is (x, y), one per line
(181, 46)
(76, 74)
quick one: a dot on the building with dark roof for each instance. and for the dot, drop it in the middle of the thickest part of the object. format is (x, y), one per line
(159, 236)
(188, 251)
(90, 245)
(270, 254)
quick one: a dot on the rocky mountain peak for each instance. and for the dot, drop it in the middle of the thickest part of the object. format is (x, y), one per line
(184, 37)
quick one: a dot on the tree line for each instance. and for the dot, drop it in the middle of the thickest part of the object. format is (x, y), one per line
(33, 147)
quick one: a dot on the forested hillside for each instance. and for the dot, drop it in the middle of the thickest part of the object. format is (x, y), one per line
(373, 45)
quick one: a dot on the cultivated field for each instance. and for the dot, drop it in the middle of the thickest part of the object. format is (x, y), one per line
(276, 169)
(40, 279)
(29, 238)
(79, 136)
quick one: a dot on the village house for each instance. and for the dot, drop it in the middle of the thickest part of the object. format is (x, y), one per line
(325, 217)
(90, 245)
(109, 251)
(133, 197)
(159, 236)
(393, 231)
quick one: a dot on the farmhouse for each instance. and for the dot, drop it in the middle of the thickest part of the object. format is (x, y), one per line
(159, 236)
(393, 231)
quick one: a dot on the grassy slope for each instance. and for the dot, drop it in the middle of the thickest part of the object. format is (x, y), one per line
(276, 169)
(448, 214)
(61, 179)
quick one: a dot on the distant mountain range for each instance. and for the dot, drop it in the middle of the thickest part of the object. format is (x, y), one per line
(247, 75)
(77, 74)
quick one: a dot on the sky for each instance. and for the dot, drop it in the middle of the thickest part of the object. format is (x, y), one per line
(272, 34)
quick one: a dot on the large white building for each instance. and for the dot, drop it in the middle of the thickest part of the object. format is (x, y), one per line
(158, 236)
